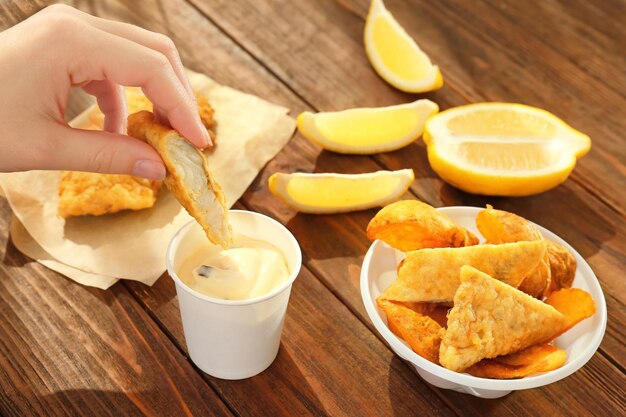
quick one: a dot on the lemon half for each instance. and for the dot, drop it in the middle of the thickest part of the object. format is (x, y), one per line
(367, 130)
(339, 193)
(502, 148)
(394, 54)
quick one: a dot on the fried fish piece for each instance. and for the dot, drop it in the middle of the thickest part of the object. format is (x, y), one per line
(490, 318)
(410, 225)
(86, 193)
(498, 226)
(562, 266)
(188, 175)
(432, 275)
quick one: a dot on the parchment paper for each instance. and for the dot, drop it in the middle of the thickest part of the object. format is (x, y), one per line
(97, 250)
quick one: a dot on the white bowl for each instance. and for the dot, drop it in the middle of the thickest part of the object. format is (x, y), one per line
(379, 270)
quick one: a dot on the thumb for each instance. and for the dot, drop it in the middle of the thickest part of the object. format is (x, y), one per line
(105, 152)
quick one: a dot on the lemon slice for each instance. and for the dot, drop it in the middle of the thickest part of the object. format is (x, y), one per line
(502, 148)
(367, 130)
(394, 54)
(339, 193)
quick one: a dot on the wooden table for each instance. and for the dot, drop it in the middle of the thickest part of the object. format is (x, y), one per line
(66, 349)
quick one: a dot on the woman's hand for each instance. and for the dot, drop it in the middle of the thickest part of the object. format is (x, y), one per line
(46, 55)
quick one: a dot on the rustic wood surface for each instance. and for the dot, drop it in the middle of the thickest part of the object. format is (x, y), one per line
(70, 350)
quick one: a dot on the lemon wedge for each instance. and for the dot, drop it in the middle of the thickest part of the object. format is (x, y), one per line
(367, 130)
(339, 193)
(394, 54)
(502, 148)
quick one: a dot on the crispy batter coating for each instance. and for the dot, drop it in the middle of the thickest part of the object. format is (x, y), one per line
(432, 275)
(562, 266)
(410, 225)
(86, 193)
(490, 318)
(498, 226)
(188, 176)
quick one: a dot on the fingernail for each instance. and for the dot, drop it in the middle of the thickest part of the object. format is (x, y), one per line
(207, 137)
(149, 169)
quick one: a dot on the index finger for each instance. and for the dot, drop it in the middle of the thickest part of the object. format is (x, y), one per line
(101, 55)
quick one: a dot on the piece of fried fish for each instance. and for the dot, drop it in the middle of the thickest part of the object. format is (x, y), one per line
(82, 193)
(188, 176)
(491, 318)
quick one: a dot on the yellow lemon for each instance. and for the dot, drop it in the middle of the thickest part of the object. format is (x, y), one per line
(340, 193)
(502, 148)
(394, 54)
(367, 130)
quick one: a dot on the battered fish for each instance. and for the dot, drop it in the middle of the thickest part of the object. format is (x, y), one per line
(490, 318)
(86, 193)
(188, 176)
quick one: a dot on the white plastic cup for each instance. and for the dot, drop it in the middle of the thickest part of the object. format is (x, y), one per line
(234, 339)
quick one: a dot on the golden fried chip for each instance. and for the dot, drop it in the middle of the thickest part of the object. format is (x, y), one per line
(562, 266)
(419, 331)
(86, 193)
(526, 362)
(188, 176)
(432, 275)
(490, 318)
(410, 224)
(498, 226)
(575, 304)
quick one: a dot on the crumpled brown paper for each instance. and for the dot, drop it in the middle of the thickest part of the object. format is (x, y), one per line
(98, 250)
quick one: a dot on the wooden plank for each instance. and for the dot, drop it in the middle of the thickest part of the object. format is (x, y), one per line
(475, 65)
(66, 349)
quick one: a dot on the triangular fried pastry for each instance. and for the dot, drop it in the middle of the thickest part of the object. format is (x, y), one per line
(188, 175)
(432, 275)
(490, 318)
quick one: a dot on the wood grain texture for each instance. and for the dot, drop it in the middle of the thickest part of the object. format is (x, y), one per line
(66, 349)
(309, 56)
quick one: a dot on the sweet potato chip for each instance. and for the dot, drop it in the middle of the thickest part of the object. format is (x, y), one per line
(410, 224)
(419, 331)
(575, 304)
(432, 275)
(530, 361)
(436, 311)
(490, 318)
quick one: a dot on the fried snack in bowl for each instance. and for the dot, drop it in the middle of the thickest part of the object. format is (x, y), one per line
(491, 318)
(509, 262)
(379, 271)
(498, 226)
(562, 266)
(530, 361)
(420, 331)
(410, 225)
